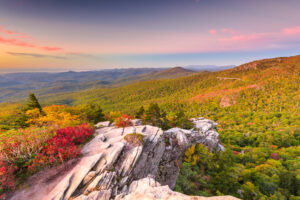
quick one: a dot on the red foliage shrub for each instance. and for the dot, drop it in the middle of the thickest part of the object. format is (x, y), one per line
(62, 146)
(275, 156)
(7, 177)
(123, 121)
(19, 146)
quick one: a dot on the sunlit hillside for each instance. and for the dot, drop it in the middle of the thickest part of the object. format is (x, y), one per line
(252, 85)
(256, 106)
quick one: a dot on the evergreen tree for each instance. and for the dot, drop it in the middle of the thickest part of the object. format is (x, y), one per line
(93, 112)
(140, 112)
(153, 115)
(165, 123)
(32, 103)
(182, 120)
(15, 121)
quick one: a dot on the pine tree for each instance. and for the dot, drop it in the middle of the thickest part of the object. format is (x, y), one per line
(32, 103)
(140, 113)
(93, 112)
(153, 115)
(182, 120)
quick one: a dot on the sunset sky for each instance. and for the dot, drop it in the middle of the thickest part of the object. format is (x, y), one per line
(58, 35)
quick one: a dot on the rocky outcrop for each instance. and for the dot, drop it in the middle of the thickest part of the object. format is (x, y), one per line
(148, 188)
(136, 162)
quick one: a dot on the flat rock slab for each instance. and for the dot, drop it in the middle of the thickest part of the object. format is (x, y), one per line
(96, 195)
(102, 124)
(71, 181)
(149, 189)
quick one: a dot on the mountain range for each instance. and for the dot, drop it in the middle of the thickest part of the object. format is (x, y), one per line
(228, 87)
(15, 86)
(256, 107)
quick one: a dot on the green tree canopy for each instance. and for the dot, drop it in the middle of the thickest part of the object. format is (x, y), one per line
(140, 112)
(32, 103)
(93, 112)
(153, 115)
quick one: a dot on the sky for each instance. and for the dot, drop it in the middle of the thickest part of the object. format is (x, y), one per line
(60, 35)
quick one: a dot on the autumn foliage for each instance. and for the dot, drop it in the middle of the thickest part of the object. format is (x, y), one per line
(18, 146)
(55, 115)
(29, 150)
(63, 146)
(7, 175)
(34, 138)
(123, 121)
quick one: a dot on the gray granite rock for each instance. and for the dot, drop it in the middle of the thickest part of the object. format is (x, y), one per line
(148, 188)
(96, 195)
(136, 122)
(113, 168)
(102, 124)
(72, 180)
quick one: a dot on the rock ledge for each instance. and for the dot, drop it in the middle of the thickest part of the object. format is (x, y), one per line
(115, 168)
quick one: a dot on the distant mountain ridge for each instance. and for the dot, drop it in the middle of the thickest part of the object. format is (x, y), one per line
(14, 79)
(175, 72)
(211, 68)
(15, 86)
(18, 85)
(226, 85)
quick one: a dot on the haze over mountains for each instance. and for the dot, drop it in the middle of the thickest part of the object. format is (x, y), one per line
(226, 87)
(213, 68)
(17, 85)
(111, 87)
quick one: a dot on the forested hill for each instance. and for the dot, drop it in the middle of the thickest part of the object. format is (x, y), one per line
(171, 73)
(250, 86)
(256, 106)
(175, 72)
(17, 85)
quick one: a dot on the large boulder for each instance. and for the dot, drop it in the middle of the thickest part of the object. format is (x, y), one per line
(136, 162)
(103, 124)
(148, 188)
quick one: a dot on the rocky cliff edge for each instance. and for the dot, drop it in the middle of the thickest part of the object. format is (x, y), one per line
(136, 162)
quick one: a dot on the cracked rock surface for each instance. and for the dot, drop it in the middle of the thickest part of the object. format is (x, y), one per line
(115, 168)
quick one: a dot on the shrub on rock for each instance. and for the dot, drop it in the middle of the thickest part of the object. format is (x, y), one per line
(123, 121)
(135, 139)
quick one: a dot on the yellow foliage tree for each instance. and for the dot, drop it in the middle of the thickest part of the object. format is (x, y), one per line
(111, 116)
(197, 155)
(55, 115)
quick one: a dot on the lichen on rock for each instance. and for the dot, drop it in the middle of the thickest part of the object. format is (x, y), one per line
(135, 139)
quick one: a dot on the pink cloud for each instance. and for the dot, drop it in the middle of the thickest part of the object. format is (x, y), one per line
(243, 38)
(46, 48)
(259, 39)
(291, 31)
(8, 32)
(23, 40)
(213, 32)
(16, 42)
